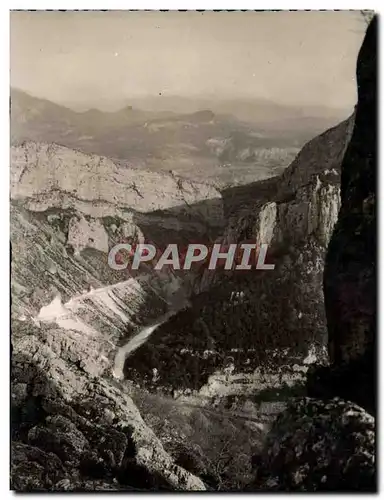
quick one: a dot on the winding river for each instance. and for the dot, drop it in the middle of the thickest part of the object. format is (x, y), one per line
(134, 343)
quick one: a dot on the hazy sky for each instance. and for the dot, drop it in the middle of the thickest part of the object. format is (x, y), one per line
(97, 58)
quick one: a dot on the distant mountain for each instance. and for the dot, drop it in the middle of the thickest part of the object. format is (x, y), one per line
(28, 111)
(31, 115)
(260, 112)
(200, 143)
(252, 110)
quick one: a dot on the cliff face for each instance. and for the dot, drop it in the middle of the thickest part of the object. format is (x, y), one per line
(47, 175)
(350, 272)
(253, 330)
(296, 208)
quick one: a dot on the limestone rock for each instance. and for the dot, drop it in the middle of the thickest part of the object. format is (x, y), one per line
(329, 444)
(87, 234)
(48, 175)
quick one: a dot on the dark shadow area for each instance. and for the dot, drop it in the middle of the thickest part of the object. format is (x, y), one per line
(350, 275)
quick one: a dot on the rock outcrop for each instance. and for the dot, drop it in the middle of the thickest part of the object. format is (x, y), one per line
(320, 446)
(68, 209)
(75, 430)
(93, 306)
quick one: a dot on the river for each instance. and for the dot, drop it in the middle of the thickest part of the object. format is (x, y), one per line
(135, 342)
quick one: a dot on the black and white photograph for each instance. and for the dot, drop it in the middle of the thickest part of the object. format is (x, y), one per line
(193, 251)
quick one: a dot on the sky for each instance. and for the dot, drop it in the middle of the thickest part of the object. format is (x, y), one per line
(99, 59)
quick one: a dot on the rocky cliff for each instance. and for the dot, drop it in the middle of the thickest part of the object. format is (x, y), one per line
(248, 336)
(49, 175)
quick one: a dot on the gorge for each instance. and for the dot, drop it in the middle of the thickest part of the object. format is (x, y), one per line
(196, 379)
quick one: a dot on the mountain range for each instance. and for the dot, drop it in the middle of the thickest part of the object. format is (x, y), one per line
(210, 141)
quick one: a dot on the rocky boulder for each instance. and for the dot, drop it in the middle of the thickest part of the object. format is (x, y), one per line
(320, 446)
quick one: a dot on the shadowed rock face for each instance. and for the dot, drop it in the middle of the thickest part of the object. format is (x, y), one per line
(350, 271)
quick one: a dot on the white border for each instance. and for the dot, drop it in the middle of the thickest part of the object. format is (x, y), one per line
(194, 4)
(4, 256)
(4, 195)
